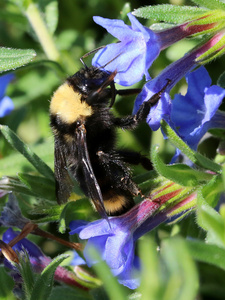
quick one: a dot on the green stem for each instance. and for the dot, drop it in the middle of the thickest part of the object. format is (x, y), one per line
(41, 30)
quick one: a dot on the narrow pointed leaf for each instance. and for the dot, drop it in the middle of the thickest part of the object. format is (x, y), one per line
(207, 253)
(180, 173)
(211, 221)
(35, 160)
(183, 277)
(195, 157)
(43, 285)
(42, 187)
(65, 292)
(14, 58)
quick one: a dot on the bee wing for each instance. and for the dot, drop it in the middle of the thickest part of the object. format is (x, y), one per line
(64, 184)
(93, 187)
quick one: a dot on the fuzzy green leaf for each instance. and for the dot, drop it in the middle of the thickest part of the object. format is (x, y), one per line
(210, 4)
(14, 58)
(43, 187)
(211, 221)
(14, 163)
(74, 210)
(14, 185)
(27, 274)
(7, 284)
(180, 173)
(35, 160)
(50, 10)
(195, 157)
(211, 254)
(149, 289)
(43, 285)
(212, 190)
(65, 292)
(221, 80)
(169, 13)
(182, 273)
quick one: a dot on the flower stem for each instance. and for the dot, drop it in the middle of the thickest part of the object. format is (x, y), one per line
(42, 32)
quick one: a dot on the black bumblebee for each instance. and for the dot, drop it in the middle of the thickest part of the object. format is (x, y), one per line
(85, 139)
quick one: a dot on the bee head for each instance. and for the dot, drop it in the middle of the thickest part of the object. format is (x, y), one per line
(95, 85)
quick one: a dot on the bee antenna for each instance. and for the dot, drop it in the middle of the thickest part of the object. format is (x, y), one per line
(109, 62)
(89, 53)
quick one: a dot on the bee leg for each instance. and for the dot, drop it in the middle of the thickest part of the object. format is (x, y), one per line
(116, 168)
(135, 158)
(131, 122)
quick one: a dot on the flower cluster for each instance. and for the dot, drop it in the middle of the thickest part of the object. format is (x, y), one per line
(190, 116)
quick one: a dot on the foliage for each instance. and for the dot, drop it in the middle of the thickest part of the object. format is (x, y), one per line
(42, 42)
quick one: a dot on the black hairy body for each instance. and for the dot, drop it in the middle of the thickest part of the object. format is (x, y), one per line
(85, 141)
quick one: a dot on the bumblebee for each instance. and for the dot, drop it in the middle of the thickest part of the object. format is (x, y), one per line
(84, 129)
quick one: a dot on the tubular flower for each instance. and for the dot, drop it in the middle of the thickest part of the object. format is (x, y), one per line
(116, 243)
(139, 46)
(133, 55)
(174, 72)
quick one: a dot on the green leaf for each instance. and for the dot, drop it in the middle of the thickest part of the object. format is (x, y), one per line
(50, 10)
(114, 290)
(169, 13)
(14, 163)
(43, 187)
(13, 184)
(7, 284)
(207, 253)
(180, 173)
(35, 160)
(74, 210)
(182, 273)
(195, 157)
(210, 4)
(14, 58)
(211, 221)
(43, 285)
(27, 274)
(212, 190)
(149, 289)
(221, 80)
(62, 292)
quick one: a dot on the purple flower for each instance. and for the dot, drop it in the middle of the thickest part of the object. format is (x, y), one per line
(38, 260)
(34, 252)
(195, 113)
(133, 55)
(11, 214)
(6, 104)
(116, 243)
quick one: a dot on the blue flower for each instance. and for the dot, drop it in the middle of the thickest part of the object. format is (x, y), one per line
(174, 72)
(116, 243)
(38, 261)
(195, 113)
(133, 55)
(11, 214)
(6, 104)
(35, 254)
